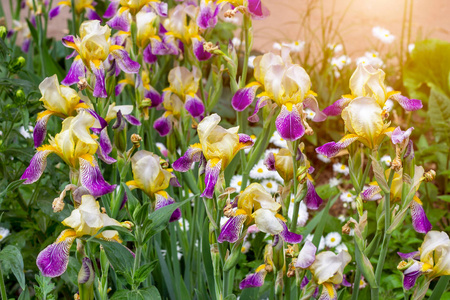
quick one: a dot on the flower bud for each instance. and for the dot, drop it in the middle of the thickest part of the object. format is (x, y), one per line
(16, 65)
(396, 164)
(82, 84)
(3, 32)
(429, 176)
(136, 139)
(86, 279)
(127, 224)
(20, 98)
(58, 205)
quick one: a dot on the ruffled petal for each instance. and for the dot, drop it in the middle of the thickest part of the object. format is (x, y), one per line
(231, 230)
(254, 280)
(92, 178)
(306, 256)
(331, 149)
(260, 103)
(312, 104)
(53, 260)
(211, 176)
(406, 103)
(244, 97)
(312, 199)
(398, 135)
(337, 107)
(77, 70)
(207, 17)
(289, 237)
(100, 81)
(37, 164)
(269, 162)
(40, 129)
(289, 123)
(124, 61)
(419, 218)
(194, 106)
(160, 7)
(163, 199)
(184, 163)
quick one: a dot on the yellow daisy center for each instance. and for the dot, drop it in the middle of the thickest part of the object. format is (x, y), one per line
(342, 167)
(239, 183)
(260, 170)
(333, 239)
(269, 185)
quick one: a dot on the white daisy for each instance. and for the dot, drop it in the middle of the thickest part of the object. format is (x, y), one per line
(332, 239)
(28, 134)
(259, 171)
(278, 141)
(184, 224)
(334, 182)
(270, 185)
(162, 149)
(236, 42)
(303, 214)
(276, 46)
(245, 247)
(253, 137)
(296, 46)
(309, 113)
(4, 232)
(336, 48)
(250, 61)
(342, 218)
(341, 247)
(236, 182)
(411, 47)
(340, 168)
(371, 58)
(383, 35)
(341, 61)
(347, 197)
(386, 159)
(323, 158)
(388, 105)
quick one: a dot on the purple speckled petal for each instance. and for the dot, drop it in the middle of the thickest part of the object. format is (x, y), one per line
(120, 22)
(148, 55)
(420, 221)
(54, 12)
(53, 260)
(37, 165)
(245, 141)
(269, 162)
(40, 129)
(184, 163)
(331, 149)
(260, 103)
(289, 237)
(92, 15)
(398, 135)
(407, 104)
(207, 17)
(410, 255)
(337, 107)
(124, 61)
(86, 272)
(154, 97)
(77, 70)
(111, 10)
(101, 121)
(199, 51)
(132, 120)
(372, 193)
(253, 280)
(162, 201)
(100, 81)
(105, 147)
(194, 106)
(174, 181)
(161, 8)
(304, 282)
(306, 256)
(410, 275)
(244, 97)
(72, 55)
(212, 172)
(289, 123)
(92, 179)
(163, 125)
(257, 9)
(231, 230)
(119, 87)
(312, 199)
(312, 104)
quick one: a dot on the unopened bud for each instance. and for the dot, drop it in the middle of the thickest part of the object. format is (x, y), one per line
(346, 228)
(82, 84)
(269, 268)
(136, 139)
(210, 47)
(20, 98)
(17, 64)
(396, 164)
(127, 224)
(229, 13)
(58, 205)
(228, 211)
(429, 176)
(289, 251)
(403, 265)
(3, 32)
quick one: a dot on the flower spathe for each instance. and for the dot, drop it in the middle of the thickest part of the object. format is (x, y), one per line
(432, 259)
(87, 219)
(218, 146)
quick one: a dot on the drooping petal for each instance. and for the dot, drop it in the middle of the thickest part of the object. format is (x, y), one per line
(419, 218)
(132, 120)
(100, 81)
(211, 176)
(69, 42)
(77, 70)
(92, 15)
(105, 147)
(53, 260)
(124, 61)
(289, 237)
(311, 103)
(337, 107)
(160, 8)
(244, 97)
(231, 230)
(92, 178)
(328, 292)
(148, 55)
(257, 10)
(194, 106)
(37, 164)
(331, 149)
(372, 193)
(289, 123)
(174, 181)
(154, 97)
(398, 135)
(54, 12)
(410, 275)
(199, 51)
(163, 199)
(407, 104)
(254, 280)
(163, 125)
(120, 22)
(111, 10)
(245, 141)
(406, 256)
(97, 128)
(40, 129)
(306, 256)
(184, 163)
(312, 199)
(269, 162)
(260, 103)
(207, 17)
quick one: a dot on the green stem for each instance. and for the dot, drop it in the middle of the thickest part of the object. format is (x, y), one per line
(356, 281)
(440, 288)
(296, 201)
(2, 285)
(247, 24)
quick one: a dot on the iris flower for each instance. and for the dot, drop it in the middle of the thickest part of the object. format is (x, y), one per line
(254, 7)
(84, 220)
(432, 259)
(94, 48)
(80, 6)
(286, 84)
(216, 149)
(76, 146)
